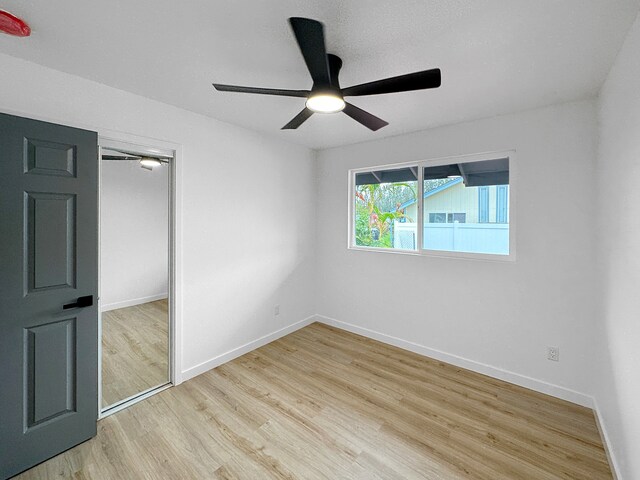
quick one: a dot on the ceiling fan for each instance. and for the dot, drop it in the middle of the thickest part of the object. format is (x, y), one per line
(326, 96)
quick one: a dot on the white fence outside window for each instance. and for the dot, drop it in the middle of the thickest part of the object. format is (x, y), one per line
(455, 237)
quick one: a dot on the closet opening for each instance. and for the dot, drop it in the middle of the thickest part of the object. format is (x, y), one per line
(136, 304)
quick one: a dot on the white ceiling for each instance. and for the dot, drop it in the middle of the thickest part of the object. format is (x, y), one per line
(496, 56)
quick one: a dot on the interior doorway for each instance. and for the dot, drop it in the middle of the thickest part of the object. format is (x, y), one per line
(136, 272)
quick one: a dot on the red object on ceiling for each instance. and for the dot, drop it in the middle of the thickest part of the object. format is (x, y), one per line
(13, 25)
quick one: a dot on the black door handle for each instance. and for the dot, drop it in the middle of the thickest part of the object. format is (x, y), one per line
(86, 301)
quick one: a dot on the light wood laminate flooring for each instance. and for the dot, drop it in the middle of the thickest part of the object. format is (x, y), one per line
(135, 350)
(322, 403)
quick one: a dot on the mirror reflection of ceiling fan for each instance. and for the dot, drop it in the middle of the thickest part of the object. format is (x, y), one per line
(146, 161)
(326, 95)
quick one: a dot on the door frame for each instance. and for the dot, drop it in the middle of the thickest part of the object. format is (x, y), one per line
(150, 146)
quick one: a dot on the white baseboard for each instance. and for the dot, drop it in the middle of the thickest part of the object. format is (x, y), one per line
(246, 348)
(133, 302)
(606, 441)
(495, 372)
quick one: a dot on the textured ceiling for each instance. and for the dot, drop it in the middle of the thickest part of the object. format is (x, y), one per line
(496, 56)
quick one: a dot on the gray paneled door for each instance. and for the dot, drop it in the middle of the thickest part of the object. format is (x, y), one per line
(48, 259)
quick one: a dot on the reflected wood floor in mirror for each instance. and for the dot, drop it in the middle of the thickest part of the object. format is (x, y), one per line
(322, 403)
(135, 346)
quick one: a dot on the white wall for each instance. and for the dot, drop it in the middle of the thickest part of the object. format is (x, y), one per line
(230, 283)
(499, 315)
(618, 173)
(134, 233)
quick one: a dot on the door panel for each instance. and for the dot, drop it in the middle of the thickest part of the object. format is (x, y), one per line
(49, 158)
(50, 238)
(48, 245)
(50, 371)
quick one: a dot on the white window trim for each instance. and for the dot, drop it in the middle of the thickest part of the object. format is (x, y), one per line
(511, 257)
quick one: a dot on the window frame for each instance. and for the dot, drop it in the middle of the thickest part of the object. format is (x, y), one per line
(420, 251)
(351, 216)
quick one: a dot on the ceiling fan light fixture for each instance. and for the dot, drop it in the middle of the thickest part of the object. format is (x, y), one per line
(150, 162)
(325, 103)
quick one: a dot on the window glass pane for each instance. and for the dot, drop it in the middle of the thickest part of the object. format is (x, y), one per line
(385, 209)
(456, 217)
(437, 218)
(466, 207)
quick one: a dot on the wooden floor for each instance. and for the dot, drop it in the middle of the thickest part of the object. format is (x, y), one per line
(325, 404)
(135, 350)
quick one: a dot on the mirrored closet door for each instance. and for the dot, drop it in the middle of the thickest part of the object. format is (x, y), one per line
(134, 274)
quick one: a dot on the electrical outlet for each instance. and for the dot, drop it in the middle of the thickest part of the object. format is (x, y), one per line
(276, 310)
(553, 354)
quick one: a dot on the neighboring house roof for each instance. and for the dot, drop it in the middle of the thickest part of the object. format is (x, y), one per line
(429, 193)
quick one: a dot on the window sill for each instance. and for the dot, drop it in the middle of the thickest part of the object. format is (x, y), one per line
(485, 257)
(385, 250)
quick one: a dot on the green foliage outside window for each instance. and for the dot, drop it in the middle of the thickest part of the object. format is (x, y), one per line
(375, 210)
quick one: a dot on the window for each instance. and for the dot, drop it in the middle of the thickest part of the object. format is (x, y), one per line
(455, 208)
(447, 217)
(483, 204)
(502, 202)
(385, 211)
(437, 218)
(468, 188)
(456, 217)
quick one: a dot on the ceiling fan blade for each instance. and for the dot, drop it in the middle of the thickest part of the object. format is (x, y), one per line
(310, 36)
(262, 91)
(298, 120)
(403, 83)
(365, 118)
